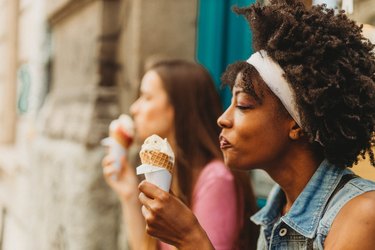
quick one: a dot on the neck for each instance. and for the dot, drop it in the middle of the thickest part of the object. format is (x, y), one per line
(294, 174)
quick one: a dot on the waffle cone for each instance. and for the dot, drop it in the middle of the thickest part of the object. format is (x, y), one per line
(156, 158)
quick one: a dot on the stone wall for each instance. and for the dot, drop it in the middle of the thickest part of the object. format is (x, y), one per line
(24, 73)
(164, 28)
(364, 11)
(76, 210)
(83, 72)
(8, 67)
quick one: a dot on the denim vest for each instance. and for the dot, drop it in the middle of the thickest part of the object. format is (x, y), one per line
(308, 221)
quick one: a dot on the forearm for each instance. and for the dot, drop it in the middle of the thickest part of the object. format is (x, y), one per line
(134, 222)
(196, 239)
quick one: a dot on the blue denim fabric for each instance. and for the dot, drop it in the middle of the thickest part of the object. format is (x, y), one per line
(308, 221)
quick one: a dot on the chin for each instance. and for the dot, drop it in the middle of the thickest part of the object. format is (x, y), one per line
(230, 163)
(139, 138)
(235, 165)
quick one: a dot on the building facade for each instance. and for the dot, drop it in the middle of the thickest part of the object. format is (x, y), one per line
(71, 66)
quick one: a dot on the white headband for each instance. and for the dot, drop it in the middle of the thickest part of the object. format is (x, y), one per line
(273, 75)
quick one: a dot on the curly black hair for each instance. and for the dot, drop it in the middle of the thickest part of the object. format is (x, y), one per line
(331, 68)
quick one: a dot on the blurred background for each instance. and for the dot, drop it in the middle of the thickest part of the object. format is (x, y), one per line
(67, 68)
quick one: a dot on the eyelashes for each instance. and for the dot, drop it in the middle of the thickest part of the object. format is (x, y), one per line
(244, 107)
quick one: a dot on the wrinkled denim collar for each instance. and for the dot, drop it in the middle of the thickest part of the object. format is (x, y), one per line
(306, 211)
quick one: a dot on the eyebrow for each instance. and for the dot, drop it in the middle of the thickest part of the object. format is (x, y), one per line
(253, 94)
(239, 91)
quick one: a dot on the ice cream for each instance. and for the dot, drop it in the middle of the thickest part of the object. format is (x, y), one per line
(122, 130)
(157, 160)
(121, 134)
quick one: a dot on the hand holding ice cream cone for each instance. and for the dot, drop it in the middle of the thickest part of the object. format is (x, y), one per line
(157, 160)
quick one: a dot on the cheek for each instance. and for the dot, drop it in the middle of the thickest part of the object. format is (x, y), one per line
(164, 122)
(144, 120)
(153, 119)
(241, 137)
(256, 143)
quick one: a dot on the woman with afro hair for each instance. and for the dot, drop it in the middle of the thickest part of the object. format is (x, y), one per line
(303, 110)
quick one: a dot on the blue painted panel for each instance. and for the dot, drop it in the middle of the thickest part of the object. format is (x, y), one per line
(222, 38)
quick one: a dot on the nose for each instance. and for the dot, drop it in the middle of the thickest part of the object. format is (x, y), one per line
(225, 120)
(133, 108)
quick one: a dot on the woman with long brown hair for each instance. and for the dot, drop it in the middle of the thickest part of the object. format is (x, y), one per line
(178, 101)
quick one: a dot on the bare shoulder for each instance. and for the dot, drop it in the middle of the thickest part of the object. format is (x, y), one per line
(354, 226)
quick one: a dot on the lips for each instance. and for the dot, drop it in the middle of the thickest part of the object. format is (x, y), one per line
(224, 143)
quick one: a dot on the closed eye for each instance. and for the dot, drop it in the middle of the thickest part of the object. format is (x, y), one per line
(241, 107)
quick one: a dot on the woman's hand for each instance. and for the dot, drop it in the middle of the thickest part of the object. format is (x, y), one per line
(123, 182)
(171, 221)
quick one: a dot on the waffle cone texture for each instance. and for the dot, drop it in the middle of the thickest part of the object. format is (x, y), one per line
(156, 158)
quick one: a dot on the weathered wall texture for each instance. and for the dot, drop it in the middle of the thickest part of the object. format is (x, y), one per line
(163, 28)
(364, 11)
(83, 71)
(8, 67)
(76, 208)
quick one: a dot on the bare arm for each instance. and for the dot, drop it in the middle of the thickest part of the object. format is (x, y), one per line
(171, 221)
(126, 187)
(354, 226)
(134, 222)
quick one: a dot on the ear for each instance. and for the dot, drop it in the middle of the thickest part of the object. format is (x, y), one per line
(295, 132)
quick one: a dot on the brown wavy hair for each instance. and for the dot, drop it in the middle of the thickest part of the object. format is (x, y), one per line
(331, 68)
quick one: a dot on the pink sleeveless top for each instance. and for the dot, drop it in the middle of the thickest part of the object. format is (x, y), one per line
(214, 203)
